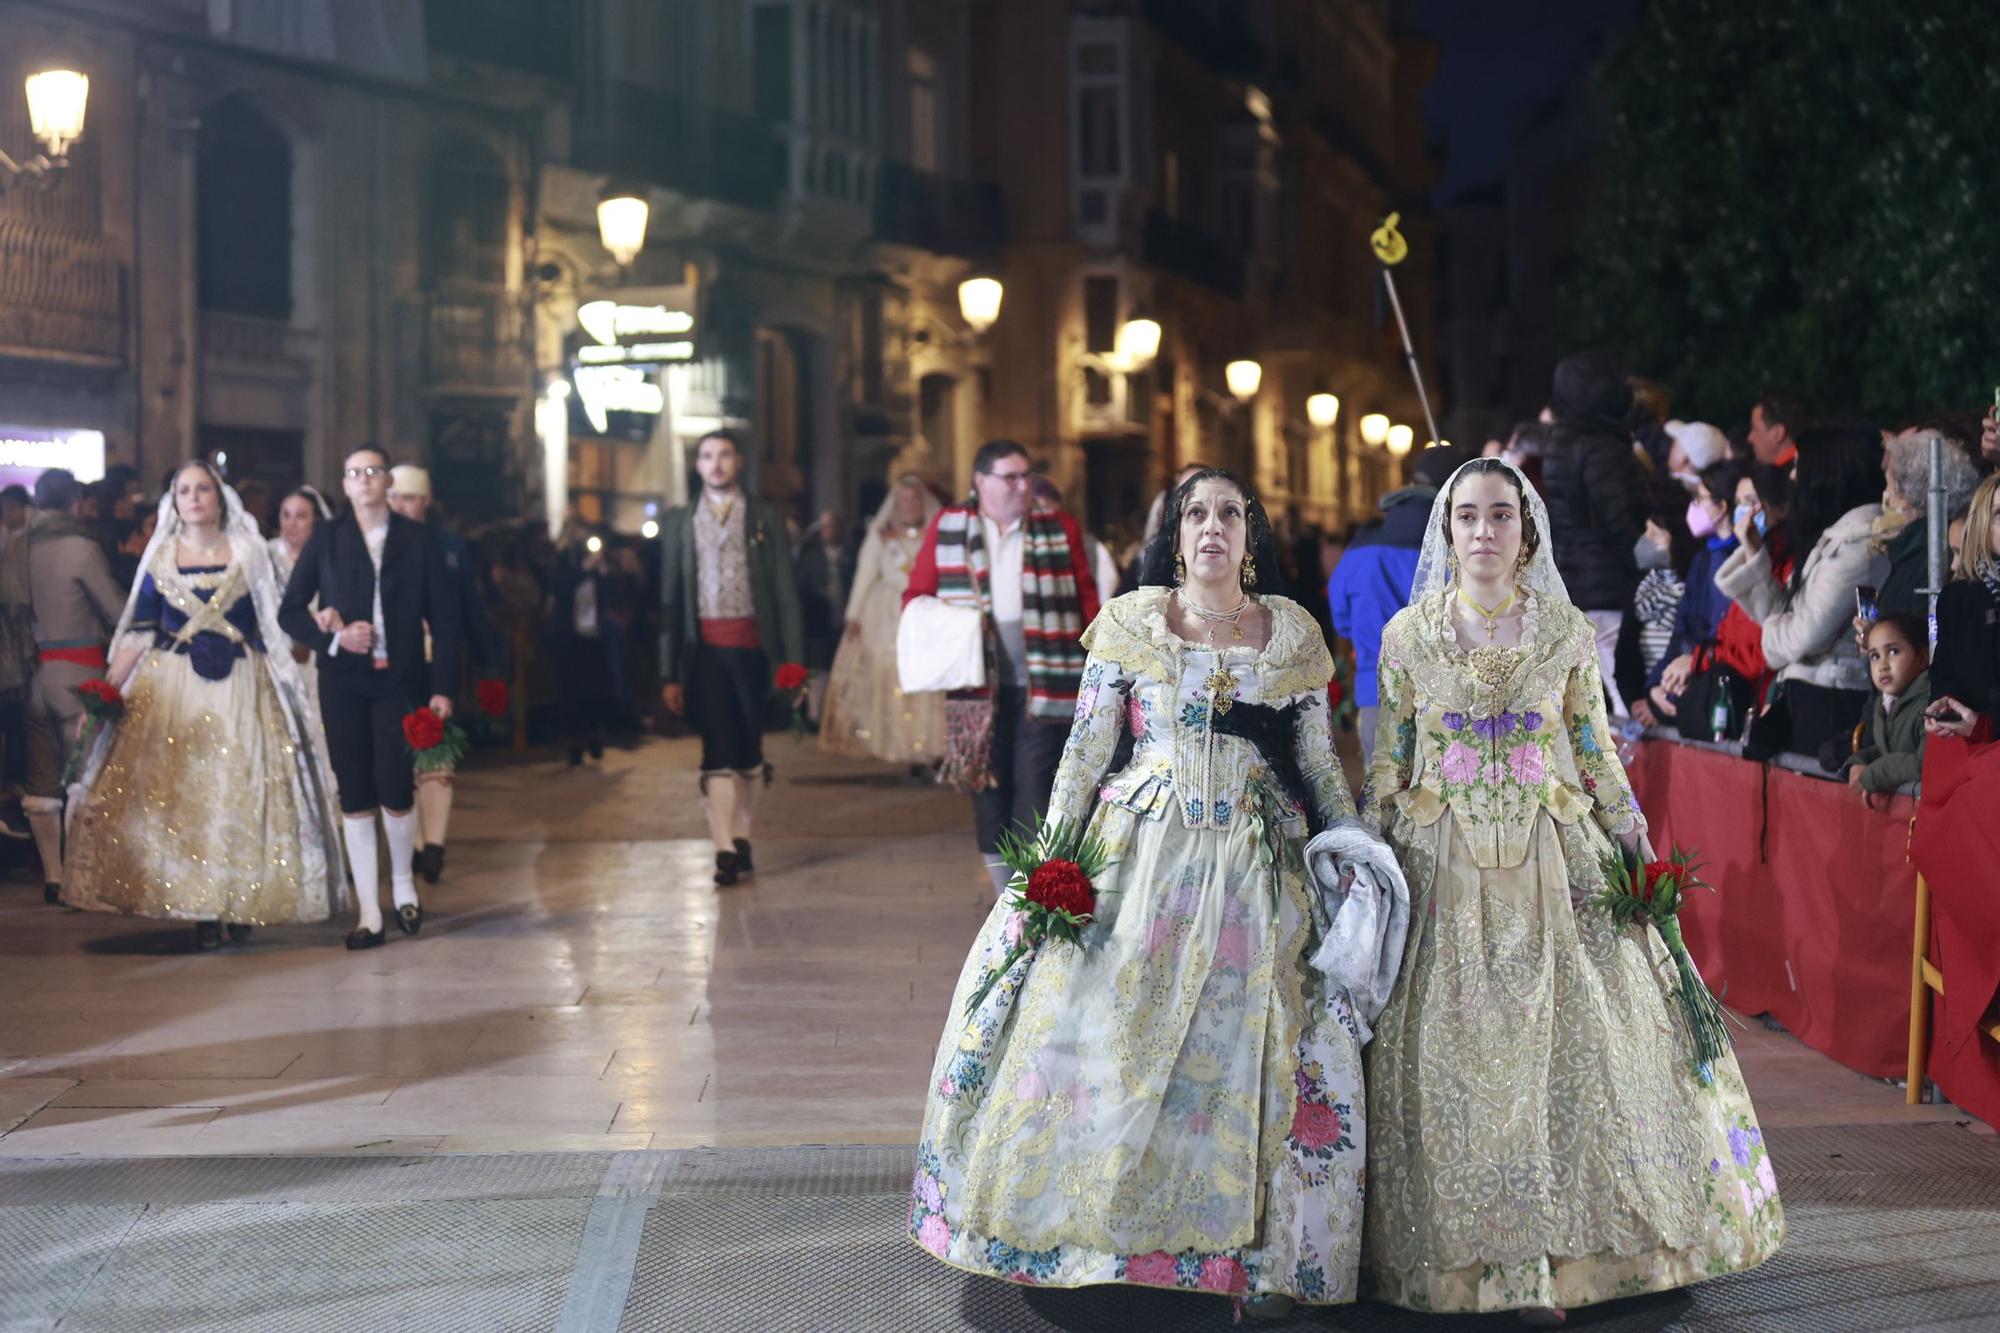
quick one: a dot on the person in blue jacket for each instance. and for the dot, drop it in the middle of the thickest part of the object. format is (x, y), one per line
(1372, 581)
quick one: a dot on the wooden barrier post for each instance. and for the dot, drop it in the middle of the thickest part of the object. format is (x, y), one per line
(1923, 978)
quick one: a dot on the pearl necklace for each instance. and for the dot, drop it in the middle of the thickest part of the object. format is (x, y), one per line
(1211, 619)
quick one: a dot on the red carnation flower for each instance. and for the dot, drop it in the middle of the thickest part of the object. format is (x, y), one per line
(791, 676)
(1656, 872)
(423, 729)
(492, 697)
(1335, 692)
(101, 690)
(1316, 1125)
(1061, 886)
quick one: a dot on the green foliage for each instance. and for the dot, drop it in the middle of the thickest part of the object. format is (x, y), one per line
(1802, 193)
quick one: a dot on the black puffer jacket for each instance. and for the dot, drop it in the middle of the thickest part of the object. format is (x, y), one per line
(1596, 494)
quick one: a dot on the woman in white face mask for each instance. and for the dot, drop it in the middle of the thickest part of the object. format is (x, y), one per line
(1712, 521)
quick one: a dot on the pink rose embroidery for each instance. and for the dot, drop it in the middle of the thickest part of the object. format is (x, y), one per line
(1135, 717)
(1225, 1275)
(1152, 1270)
(1526, 763)
(1316, 1125)
(1031, 1087)
(1232, 948)
(1460, 763)
(934, 1235)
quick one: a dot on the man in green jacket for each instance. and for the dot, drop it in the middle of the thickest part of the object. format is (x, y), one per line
(730, 615)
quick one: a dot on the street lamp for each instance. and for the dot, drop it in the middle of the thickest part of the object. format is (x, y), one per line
(1138, 343)
(621, 223)
(1243, 378)
(56, 102)
(1322, 409)
(979, 302)
(1374, 428)
(1401, 437)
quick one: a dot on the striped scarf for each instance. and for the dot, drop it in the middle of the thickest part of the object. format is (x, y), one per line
(1051, 624)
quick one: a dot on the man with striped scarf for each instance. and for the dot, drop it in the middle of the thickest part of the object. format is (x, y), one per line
(1027, 572)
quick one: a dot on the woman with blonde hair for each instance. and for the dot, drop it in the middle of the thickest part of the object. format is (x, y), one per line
(1965, 668)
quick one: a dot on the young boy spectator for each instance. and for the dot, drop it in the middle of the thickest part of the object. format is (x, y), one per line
(1892, 727)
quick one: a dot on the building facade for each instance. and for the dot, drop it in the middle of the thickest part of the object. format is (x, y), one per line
(277, 237)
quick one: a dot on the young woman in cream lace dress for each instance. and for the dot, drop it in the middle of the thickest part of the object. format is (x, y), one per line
(1540, 1137)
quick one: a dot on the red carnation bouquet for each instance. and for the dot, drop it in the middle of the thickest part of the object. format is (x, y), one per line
(103, 705)
(493, 697)
(1636, 890)
(1054, 888)
(790, 681)
(438, 745)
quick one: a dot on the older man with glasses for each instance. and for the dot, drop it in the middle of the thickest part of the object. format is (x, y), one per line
(1027, 571)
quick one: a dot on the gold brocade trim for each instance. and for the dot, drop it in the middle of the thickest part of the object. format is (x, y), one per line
(1131, 633)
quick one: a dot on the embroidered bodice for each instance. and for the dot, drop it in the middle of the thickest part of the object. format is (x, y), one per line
(1143, 680)
(1494, 734)
(205, 612)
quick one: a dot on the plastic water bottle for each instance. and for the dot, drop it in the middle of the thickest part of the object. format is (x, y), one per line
(1718, 718)
(1630, 732)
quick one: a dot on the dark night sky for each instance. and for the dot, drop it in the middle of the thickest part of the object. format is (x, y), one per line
(1498, 59)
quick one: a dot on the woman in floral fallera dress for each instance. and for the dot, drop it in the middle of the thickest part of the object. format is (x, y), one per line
(1176, 1101)
(1540, 1137)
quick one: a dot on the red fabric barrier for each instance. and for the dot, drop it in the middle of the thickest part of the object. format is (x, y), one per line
(1957, 846)
(1815, 897)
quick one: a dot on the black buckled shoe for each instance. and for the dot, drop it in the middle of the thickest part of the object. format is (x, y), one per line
(726, 869)
(208, 934)
(430, 862)
(358, 939)
(410, 918)
(743, 857)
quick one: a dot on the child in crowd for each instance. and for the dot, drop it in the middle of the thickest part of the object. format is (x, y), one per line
(1891, 734)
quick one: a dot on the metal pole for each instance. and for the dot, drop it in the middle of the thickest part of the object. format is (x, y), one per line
(1939, 522)
(1410, 351)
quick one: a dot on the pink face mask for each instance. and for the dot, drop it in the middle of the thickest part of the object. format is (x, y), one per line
(1700, 522)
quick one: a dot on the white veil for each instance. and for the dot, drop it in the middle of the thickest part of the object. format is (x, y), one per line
(319, 824)
(1435, 570)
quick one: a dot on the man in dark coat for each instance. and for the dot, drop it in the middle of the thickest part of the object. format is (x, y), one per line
(380, 581)
(1596, 493)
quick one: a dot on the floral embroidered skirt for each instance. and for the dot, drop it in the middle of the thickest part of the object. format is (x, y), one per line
(1175, 1103)
(1539, 1133)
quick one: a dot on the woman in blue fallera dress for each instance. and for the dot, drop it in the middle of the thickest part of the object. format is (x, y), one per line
(209, 799)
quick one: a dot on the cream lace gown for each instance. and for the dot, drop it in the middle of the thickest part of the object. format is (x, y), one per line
(206, 806)
(1538, 1132)
(1175, 1103)
(867, 713)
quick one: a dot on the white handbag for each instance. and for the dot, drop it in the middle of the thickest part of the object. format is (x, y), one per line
(940, 647)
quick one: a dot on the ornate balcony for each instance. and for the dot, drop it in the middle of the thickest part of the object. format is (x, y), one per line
(473, 341)
(62, 295)
(939, 213)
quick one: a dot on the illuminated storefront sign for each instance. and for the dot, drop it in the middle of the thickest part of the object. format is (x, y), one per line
(634, 354)
(29, 449)
(606, 389)
(609, 322)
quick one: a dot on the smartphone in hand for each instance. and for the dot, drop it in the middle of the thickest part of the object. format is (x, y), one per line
(1867, 602)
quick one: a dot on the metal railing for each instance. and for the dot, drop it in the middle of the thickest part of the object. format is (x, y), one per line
(939, 213)
(61, 293)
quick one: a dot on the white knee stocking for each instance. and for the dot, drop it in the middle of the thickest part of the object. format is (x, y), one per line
(402, 831)
(45, 822)
(360, 836)
(748, 786)
(720, 792)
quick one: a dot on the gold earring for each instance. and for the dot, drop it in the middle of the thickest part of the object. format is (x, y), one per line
(1249, 572)
(1180, 569)
(1521, 561)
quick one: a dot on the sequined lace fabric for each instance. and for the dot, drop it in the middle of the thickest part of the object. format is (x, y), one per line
(203, 808)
